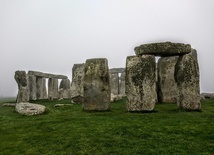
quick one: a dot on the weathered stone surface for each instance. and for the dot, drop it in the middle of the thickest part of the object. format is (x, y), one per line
(22, 81)
(122, 89)
(140, 83)
(187, 79)
(53, 92)
(96, 84)
(163, 49)
(32, 87)
(116, 70)
(116, 97)
(77, 99)
(8, 104)
(194, 54)
(77, 80)
(114, 82)
(65, 91)
(167, 88)
(46, 75)
(41, 88)
(29, 109)
(208, 95)
(62, 105)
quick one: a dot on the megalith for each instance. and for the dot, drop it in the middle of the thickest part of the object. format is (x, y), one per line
(122, 84)
(53, 92)
(64, 88)
(32, 87)
(77, 80)
(140, 83)
(167, 89)
(22, 81)
(41, 88)
(114, 82)
(187, 79)
(96, 85)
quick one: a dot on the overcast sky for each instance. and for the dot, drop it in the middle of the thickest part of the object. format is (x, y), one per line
(52, 35)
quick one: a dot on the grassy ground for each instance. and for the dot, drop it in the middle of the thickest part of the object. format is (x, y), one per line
(69, 130)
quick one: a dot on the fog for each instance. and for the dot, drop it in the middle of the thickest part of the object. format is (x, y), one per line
(52, 35)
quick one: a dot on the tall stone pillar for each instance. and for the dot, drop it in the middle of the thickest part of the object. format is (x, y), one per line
(187, 79)
(53, 92)
(140, 83)
(22, 80)
(32, 87)
(167, 88)
(122, 84)
(64, 88)
(77, 80)
(96, 84)
(41, 88)
(114, 82)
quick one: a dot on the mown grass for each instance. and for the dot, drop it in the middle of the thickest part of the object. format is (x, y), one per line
(70, 130)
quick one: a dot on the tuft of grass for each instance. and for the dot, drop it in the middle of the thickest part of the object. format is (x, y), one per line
(70, 130)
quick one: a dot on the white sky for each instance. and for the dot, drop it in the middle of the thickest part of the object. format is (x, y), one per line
(52, 35)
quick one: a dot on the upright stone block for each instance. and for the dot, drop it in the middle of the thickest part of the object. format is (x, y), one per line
(41, 88)
(122, 89)
(32, 87)
(187, 79)
(167, 88)
(22, 81)
(140, 83)
(77, 80)
(114, 81)
(96, 84)
(64, 87)
(53, 92)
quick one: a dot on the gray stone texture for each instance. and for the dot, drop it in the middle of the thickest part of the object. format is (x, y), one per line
(140, 83)
(116, 70)
(65, 91)
(46, 75)
(167, 88)
(114, 81)
(77, 80)
(163, 49)
(32, 87)
(41, 88)
(22, 81)
(29, 109)
(122, 89)
(53, 92)
(96, 84)
(187, 79)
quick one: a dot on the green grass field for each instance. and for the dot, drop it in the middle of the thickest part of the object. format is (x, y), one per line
(70, 130)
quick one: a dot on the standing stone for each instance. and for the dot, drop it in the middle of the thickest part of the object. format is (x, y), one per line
(194, 54)
(96, 84)
(41, 88)
(77, 80)
(53, 92)
(114, 81)
(122, 90)
(64, 87)
(167, 88)
(32, 87)
(140, 83)
(22, 81)
(187, 79)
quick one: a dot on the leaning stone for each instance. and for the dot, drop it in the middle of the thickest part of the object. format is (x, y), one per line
(96, 84)
(140, 83)
(163, 49)
(187, 79)
(29, 109)
(22, 81)
(167, 88)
